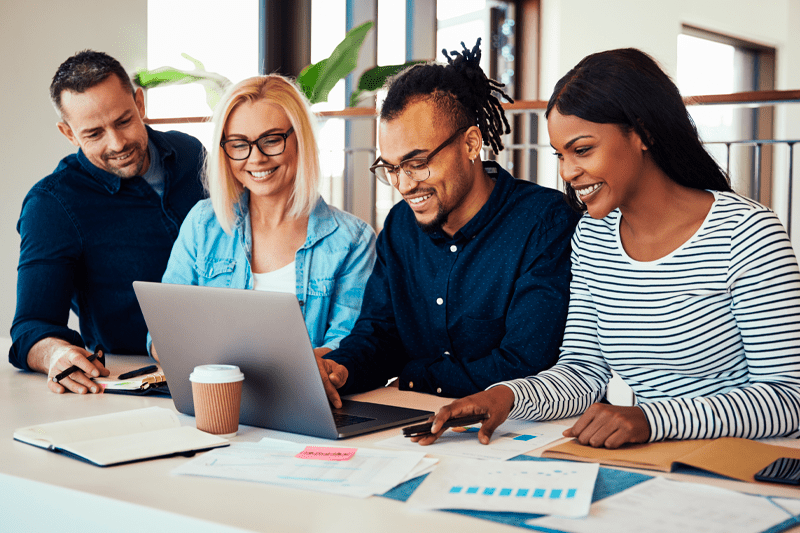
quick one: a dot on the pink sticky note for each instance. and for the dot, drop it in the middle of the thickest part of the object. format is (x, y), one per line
(327, 454)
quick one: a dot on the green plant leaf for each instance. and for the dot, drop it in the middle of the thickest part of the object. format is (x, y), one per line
(213, 83)
(308, 78)
(375, 78)
(342, 62)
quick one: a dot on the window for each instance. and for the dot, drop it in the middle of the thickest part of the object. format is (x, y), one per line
(710, 63)
(224, 39)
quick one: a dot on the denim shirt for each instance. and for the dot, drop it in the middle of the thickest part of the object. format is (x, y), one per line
(331, 267)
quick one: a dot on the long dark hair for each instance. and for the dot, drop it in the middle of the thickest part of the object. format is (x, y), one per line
(628, 88)
(459, 89)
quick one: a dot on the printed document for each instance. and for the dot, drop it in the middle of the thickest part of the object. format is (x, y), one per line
(512, 438)
(540, 487)
(661, 505)
(274, 461)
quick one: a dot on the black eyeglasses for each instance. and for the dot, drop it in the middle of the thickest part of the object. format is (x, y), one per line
(270, 144)
(415, 168)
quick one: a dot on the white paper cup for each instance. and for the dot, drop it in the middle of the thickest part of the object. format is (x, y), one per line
(217, 395)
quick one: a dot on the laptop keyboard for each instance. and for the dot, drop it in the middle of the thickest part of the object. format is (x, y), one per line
(341, 420)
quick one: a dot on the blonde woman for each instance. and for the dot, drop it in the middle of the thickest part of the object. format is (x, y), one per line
(265, 226)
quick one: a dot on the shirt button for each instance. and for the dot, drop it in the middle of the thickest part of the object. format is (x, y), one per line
(410, 384)
(454, 248)
(439, 301)
(439, 390)
(447, 353)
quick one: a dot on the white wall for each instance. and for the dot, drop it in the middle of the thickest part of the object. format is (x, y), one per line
(572, 29)
(36, 36)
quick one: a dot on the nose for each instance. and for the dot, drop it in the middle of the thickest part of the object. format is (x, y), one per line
(403, 183)
(116, 140)
(568, 170)
(256, 153)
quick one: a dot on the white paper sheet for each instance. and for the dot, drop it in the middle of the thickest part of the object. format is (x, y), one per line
(512, 438)
(661, 505)
(543, 487)
(273, 461)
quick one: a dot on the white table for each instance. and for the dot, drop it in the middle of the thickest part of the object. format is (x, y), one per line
(41, 491)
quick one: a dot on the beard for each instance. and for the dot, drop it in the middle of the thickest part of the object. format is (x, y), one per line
(438, 221)
(462, 184)
(133, 166)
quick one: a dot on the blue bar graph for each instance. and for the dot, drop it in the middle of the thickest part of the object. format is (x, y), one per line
(505, 492)
(538, 493)
(455, 490)
(472, 490)
(571, 493)
(555, 494)
(488, 491)
(521, 493)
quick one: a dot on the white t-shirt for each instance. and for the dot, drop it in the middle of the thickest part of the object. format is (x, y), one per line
(281, 280)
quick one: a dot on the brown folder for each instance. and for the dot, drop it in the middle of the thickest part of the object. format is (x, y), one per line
(732, 457)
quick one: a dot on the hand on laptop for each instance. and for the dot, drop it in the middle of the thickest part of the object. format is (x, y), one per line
(333, 376)
(496, 402)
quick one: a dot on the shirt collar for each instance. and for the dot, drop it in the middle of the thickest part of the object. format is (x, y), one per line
(503, 186)
(111, 182)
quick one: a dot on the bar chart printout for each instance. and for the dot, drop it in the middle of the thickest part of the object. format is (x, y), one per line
(543, 487)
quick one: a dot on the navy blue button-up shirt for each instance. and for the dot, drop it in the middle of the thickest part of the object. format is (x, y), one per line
(453, 315)
(86, 235)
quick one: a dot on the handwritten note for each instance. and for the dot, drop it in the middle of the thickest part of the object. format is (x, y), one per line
(320, 453)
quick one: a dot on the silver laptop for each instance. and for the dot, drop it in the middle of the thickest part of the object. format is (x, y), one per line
(264, 334)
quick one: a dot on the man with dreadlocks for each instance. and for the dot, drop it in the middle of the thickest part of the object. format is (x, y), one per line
(471, 283)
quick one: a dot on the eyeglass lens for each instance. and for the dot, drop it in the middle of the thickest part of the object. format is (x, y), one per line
(269, 145)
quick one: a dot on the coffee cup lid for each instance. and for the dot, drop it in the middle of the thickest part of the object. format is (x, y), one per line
(216, 374)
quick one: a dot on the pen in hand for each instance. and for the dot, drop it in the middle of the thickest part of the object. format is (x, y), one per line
(61, 375)
(422, 430)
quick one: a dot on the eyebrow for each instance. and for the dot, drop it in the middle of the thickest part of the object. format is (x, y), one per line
(413, 153)
(573, 141)
(268, 132)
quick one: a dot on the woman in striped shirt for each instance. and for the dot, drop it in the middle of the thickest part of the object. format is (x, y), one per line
(690, 292)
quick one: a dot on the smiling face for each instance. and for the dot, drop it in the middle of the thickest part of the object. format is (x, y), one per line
(446, 200)
(264, 176)
(105, 121)
(603, 163)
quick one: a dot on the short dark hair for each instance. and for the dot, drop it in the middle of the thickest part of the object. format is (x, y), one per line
(459, 89)
(627, 87)
(83, 71)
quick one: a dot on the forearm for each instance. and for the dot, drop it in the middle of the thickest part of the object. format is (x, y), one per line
(560, 392)
(753, 412)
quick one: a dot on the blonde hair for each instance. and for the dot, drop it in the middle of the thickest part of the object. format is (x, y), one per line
(223, 188)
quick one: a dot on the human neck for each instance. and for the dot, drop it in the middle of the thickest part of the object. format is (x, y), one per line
(476, 198)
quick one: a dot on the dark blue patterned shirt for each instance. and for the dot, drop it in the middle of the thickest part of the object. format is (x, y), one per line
(453, 315)
(86, 235)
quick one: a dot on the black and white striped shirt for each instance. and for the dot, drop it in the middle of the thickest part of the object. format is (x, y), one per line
(708, 337)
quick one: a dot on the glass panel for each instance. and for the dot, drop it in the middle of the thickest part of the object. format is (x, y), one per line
(224, 39)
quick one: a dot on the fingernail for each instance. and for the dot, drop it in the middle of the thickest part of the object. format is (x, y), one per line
(94, 389)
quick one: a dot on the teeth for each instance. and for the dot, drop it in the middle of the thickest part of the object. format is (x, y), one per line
(419, 199)
(587, 190)
(263, 174)
(120, 158)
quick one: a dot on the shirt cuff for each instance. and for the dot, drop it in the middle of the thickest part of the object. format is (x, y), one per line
(517, 411)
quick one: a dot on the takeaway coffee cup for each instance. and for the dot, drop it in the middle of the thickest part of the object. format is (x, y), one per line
(217, 394)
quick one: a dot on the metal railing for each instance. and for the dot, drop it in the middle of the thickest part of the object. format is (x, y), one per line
(347, 153)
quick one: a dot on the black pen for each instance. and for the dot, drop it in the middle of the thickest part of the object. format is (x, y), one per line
(421, 430)
(58, 377)
(139, 372)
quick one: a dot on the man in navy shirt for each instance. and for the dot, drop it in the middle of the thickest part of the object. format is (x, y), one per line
(471, 283)
(107, 216)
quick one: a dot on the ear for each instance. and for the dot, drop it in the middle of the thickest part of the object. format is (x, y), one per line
(474, 142)
(67, 132)
(138, 98)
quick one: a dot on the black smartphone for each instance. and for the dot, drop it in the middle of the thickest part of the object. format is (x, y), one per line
(784, 470)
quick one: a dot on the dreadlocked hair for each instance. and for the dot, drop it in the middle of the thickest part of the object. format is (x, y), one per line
(459, 89)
